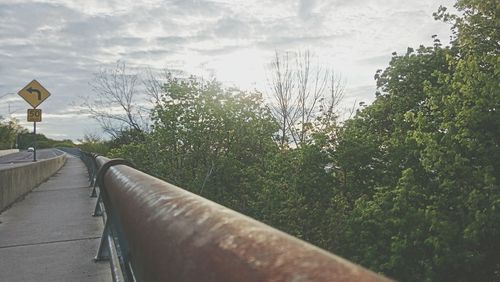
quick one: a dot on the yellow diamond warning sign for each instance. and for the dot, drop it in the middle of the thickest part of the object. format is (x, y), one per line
(34, 93)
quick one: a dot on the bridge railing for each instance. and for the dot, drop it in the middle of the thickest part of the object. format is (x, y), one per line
(155, 231)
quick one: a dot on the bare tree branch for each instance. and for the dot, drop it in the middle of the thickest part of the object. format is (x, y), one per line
(336, 92)
(302, 93)
(282, 84)
(312, 81)
(116, 107)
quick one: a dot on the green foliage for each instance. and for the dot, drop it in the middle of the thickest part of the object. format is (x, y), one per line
(206, 139)
(12, 134)
(221, 144)
(93, 143)
(8, 133)
(26, 139)
(408, 187)
(422, 162)
(296, 194)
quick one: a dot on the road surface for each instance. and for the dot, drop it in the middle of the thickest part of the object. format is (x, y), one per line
(26, 157)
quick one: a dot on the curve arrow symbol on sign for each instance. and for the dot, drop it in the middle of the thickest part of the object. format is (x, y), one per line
(31, 90)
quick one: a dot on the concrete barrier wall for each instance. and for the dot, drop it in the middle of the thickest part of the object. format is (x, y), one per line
(6, 152)
(19, 180)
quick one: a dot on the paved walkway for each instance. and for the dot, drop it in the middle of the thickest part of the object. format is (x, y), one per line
(51, 235)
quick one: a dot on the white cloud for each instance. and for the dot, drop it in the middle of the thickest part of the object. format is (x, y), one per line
(64, 42)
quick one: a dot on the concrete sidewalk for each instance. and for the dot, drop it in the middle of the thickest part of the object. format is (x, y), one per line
(51, 235)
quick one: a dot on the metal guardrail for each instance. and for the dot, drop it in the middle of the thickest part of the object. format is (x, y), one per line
(155, 231)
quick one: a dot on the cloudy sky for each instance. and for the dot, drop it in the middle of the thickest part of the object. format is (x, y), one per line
(62, 43)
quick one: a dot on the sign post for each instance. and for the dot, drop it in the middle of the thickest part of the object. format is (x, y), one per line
(34, 93)
(34, 141)
(34, 115)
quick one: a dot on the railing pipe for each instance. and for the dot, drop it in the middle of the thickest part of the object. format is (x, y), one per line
(174, 235)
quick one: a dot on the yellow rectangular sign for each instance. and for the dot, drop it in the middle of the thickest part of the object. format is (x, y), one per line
(35, 115)
(34, 93)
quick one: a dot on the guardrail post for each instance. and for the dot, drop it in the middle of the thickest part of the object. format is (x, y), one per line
(103, 253)
(93, 194)
(98, 209)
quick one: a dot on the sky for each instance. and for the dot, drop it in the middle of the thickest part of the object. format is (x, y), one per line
(63, 43)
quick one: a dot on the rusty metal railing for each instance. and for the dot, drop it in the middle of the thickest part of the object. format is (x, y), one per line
(155, 231)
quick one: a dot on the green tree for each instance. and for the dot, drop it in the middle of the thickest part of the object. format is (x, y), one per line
(9, 131)
(421, 162)
(206, 139)
(92, 142)
(462, 152)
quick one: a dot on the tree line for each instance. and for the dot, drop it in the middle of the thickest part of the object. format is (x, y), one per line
(14, 136)
(407, 186)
